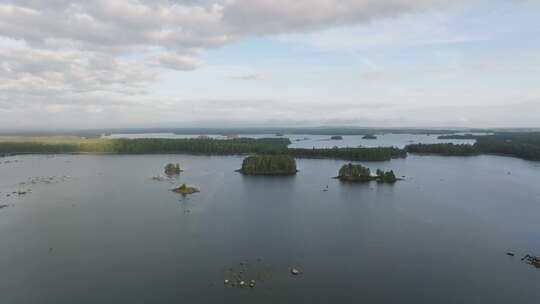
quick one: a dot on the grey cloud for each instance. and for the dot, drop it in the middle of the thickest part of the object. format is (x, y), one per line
(178, 62)
(74, 54)
(123, 25)
(33, 69)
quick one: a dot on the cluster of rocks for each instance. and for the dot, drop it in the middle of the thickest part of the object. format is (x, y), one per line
(529, 259)
(18, 193)
(9, 161)
(242, 277)
(532, 260)
(46, 180)
(248, 275)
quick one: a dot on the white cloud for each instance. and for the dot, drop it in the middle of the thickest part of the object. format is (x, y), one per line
(102, 57)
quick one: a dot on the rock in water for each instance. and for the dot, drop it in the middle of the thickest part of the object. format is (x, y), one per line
(295, 271)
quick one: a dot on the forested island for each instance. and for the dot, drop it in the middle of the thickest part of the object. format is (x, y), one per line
(358, 173)
(369, 136)
(268, 165)
(336, 137)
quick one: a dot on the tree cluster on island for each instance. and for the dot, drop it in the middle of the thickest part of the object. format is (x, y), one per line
(336, 137)
(270, 164)
(358, 173)
(172, 169)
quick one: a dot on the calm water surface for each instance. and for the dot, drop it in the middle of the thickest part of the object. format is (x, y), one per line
(323, 141)
(107, 233)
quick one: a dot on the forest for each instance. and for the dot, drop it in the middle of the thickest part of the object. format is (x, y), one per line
(196, 146)
(443, 149)
(357, 154)
(525, 145)
(149, 146)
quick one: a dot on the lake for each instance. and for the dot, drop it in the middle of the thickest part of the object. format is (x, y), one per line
(98, 229)
(322, 141)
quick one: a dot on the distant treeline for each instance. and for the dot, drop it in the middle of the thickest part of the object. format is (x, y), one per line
(150, 146)
(443, 149)
(461, 136)
(524, 145)
(198, 146)
(358, 154)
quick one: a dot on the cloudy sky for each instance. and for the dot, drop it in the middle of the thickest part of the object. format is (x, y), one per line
(128, 63)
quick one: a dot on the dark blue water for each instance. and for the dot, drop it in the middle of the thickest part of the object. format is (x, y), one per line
(101, 231)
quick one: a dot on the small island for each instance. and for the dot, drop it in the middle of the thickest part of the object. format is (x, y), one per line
(268, 165)
(369, 136)
(336, 137)
(358, 173)
(185, 190)
(172, 169)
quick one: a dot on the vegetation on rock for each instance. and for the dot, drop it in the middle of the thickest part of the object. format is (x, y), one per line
(184, 189)
(336, 137)
(172, 169)
(386, 177)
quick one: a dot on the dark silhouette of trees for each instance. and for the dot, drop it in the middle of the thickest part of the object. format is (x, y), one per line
(443, 149)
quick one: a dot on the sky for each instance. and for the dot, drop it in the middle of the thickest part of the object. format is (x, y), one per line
(233, 63)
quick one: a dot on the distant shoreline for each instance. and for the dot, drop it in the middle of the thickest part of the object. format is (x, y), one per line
(524, 145)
